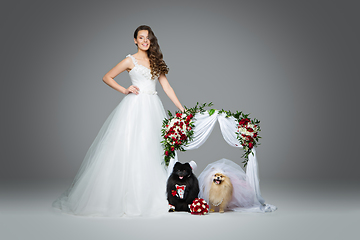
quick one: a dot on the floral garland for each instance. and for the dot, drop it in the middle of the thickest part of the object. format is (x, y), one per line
(177, 131)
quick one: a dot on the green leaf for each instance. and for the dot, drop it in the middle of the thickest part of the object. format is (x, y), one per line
(170, 114)
(211, 111)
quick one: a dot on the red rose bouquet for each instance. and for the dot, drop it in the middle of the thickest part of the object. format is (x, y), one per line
(199, 207)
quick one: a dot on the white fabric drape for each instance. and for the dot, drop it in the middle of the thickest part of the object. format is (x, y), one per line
(228, 128)
(204, 124)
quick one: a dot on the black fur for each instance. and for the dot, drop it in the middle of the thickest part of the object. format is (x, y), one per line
(191, 190)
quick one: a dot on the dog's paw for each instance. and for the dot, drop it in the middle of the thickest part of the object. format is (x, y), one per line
(221, 211)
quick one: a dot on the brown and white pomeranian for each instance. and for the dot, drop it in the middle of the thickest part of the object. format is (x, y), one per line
(220, 193)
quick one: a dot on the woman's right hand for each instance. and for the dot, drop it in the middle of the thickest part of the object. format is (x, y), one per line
(132, 89)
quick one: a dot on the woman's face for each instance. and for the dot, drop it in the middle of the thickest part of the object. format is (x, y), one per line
(142, 40)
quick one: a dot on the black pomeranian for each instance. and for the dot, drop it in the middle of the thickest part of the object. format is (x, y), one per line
(182, 187)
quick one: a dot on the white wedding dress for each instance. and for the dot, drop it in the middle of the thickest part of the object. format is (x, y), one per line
(123, 171)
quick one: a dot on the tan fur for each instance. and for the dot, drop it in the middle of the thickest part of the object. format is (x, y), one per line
(220, 194)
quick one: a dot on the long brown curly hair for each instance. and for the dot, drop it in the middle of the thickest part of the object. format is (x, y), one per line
(157, 64)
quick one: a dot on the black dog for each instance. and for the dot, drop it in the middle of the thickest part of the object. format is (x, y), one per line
(182, 187)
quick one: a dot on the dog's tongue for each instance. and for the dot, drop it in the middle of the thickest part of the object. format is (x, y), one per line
(181, 177)
(217, 181)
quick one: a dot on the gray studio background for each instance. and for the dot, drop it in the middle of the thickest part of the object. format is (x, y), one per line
(292, 64)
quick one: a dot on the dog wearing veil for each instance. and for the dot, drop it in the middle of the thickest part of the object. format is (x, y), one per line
(220, 193)
(223, 184)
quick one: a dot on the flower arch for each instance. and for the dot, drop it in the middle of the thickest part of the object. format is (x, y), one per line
(204, 126)
(198, 131)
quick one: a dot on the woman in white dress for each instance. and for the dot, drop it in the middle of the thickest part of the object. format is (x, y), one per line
(123, 171)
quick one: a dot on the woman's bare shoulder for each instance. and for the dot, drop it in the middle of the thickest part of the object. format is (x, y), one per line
(127, 62)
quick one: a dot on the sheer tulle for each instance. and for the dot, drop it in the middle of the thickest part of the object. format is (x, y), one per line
(122, 172)
(244, 197)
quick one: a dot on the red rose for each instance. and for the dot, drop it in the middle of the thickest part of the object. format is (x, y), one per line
(166, 153)
(251, 145)
(172, 148)
(250, 129)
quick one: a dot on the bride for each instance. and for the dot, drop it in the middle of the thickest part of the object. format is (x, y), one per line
(123, 171)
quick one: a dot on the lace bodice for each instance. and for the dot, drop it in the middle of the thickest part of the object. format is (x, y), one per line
(141, 77)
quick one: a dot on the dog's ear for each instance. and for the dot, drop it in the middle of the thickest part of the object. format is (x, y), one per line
(188, 166)
(176, 166)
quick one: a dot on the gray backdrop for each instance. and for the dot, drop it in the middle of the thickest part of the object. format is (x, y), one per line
(292, 64)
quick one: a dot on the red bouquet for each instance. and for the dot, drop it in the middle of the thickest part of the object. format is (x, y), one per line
(199, 207)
